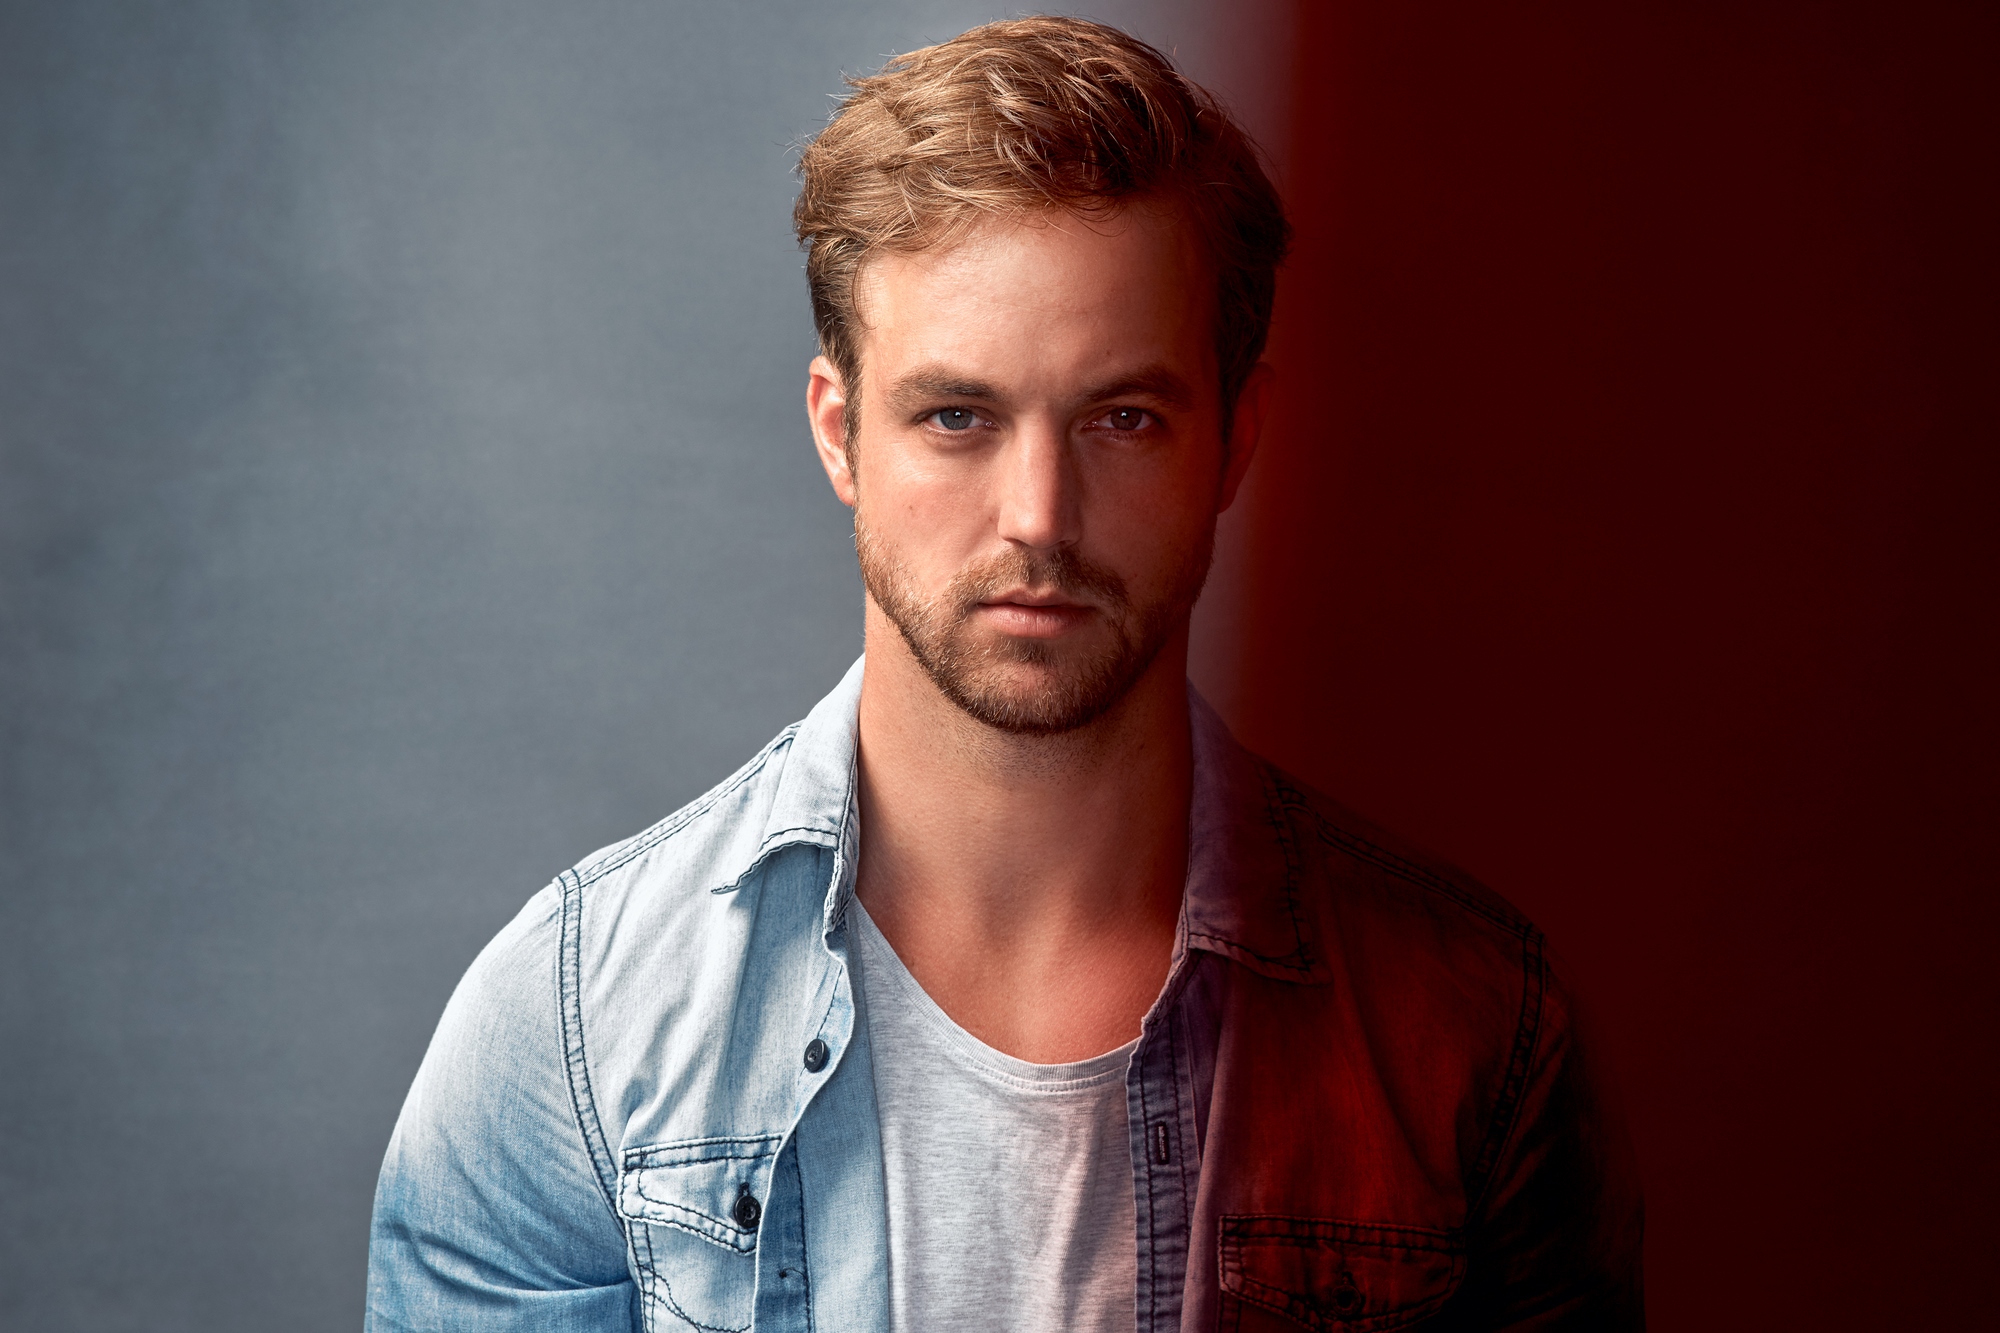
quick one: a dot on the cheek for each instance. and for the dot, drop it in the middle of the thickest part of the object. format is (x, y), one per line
(934, 519)
(1142, 522)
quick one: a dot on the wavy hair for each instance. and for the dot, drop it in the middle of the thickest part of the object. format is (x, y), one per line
(1026, 116)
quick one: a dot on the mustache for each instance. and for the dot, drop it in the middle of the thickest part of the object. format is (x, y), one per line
(1061, 570)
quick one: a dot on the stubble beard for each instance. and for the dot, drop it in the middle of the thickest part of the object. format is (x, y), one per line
(1070, 686)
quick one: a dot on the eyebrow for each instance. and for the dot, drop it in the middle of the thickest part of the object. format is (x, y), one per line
(1155, 382)
(935, 381)
(939, 382)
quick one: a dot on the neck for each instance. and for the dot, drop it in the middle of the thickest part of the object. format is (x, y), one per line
(1032, 884)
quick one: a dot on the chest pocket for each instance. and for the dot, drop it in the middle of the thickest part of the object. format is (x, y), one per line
(1334, 1277)
(692, 1211)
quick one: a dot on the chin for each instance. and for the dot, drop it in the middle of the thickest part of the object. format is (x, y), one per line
(1028, 688)
(1012, 683)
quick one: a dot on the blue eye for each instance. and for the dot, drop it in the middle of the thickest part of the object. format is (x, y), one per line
(955, 418)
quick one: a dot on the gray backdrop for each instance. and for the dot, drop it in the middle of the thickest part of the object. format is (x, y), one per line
(403, 491)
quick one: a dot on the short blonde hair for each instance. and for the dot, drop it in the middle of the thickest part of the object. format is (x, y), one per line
(1020, 117)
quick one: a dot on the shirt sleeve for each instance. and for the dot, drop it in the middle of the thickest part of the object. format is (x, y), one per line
(488, 1213)
(1556, 1242)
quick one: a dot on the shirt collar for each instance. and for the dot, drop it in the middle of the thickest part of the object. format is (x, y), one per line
(816, 787)
(1243, 890)
(1244, 885)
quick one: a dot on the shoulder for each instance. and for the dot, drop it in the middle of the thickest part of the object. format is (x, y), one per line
(644, 921)
(1413, 938)
(672, 867)
(513, 972)
(1457, 987)
(1345, 857)
(720, 832)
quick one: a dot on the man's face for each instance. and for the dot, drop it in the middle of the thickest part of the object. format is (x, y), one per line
(1039, 459)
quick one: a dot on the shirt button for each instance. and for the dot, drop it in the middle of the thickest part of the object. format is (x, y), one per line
(816, 1054)
(747, 1210)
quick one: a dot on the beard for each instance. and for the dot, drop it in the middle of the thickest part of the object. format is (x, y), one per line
(1068, 685)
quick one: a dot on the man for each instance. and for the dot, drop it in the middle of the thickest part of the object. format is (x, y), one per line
(1005, 991)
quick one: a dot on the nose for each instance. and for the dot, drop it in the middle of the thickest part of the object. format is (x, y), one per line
(1037, 502)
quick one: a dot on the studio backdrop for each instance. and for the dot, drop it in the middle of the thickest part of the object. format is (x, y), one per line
(405, 490)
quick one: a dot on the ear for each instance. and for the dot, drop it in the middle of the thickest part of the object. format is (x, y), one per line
(826, 410)
(1246, 430)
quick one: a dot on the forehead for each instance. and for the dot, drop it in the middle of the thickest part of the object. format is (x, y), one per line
(1052, 294)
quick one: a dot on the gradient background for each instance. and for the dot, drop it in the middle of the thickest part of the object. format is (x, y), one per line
(404, 490)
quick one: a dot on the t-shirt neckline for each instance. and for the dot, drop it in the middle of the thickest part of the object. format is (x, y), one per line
(884, 961)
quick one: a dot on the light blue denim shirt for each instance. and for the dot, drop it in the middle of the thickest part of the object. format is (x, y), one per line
(624, 1120)
(1362, 1098)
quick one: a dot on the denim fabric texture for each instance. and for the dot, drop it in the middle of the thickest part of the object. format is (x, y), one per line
(1360, 1102)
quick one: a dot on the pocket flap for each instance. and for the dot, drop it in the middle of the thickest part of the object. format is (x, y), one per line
(1340, 1277)
(701, 1185)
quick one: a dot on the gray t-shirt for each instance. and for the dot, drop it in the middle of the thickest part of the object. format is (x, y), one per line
(1010, 1183)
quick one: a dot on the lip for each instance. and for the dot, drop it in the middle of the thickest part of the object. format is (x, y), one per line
(1034, 615)
(1026, 597)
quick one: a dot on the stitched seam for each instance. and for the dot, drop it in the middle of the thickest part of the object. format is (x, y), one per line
(1279, 826)
(1336, 1226)
(680, 819)
(775, 834)
(1527, 1040)
(1152, 1208)
(1396, 865)
(634, 1156)
(1185, 1150)
(1274, 803)
(1318, 1231)
(805, 1250)
(642, 1270)
(1400, 1317)
(647, 1164)
(674, 1305)
(640, 1190)
(576, 1062)
(1317, 1242)
(695, 1230)
(652, 1281)
(1228, 1264)
(1177, 985)
(1175, 1145)
(1249, 1289)
(1415, 874)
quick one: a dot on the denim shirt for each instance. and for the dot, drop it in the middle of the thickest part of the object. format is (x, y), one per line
(649, 1104)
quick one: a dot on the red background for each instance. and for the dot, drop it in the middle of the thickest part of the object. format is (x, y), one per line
(1625, 536)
